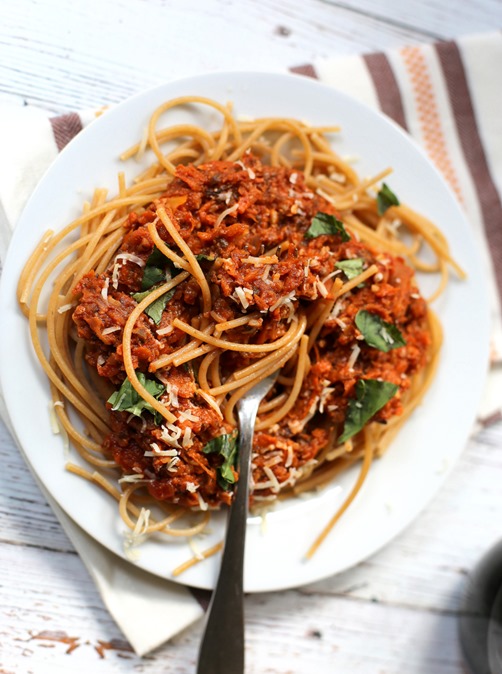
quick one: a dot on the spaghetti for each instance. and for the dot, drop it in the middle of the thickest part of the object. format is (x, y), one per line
(237, 253)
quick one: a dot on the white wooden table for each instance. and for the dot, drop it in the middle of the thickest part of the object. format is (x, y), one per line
(397, 612)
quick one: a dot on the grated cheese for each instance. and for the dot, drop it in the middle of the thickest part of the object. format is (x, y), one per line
(115, 275)
(171, 434)
(225, 196)
(356, 350)
(172, 392)
(283, 300)
(65, 307)
(385, 336)
(271, 476)
(191, 487)
(333, 273)
(289, 457)
(336, 310)
(157, 451)
(325, 394)
(135, 537)
(202, 504)
(108, 331)
(171, 466)
(135, 477)
(250, 172)
(210, 401)
(239, 295)
(322, 288)
(227, 211)
(187, 438)
(130, 257)
(273, 461)
(165, 331)
(186, 415)
(104, 289)
(266, 272)
(338, 177)
(195, 549)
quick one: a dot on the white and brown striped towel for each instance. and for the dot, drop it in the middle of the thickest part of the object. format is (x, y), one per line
(448, 96)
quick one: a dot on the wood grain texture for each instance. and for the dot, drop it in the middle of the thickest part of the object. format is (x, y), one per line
(63, 56)
(397, 611)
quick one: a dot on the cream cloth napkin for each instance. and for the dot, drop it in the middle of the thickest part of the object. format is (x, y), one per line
(148, 610)
(448, 96)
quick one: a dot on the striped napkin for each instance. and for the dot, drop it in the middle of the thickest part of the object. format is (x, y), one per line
(448, 96)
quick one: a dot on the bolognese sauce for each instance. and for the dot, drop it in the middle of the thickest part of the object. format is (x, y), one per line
(250, 226)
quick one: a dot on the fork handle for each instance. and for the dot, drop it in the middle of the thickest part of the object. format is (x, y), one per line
(222, 647)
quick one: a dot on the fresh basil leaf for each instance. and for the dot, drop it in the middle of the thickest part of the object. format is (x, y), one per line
(158, 268)
(385, 199)
(371, 396)
(226, 446)
(202, 257)
(127, 399)
(378, 333)
(351, 268)
(152, 276)
(323, 223)
(156, 309)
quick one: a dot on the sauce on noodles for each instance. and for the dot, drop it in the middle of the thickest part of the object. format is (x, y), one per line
(236, 253)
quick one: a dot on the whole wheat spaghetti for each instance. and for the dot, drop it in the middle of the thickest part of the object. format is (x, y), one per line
(238, 252)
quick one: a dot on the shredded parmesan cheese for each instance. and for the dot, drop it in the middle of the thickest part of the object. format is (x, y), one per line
(322, 288)
(135, 477)
(171, 434)
(187, 438)
(186, 415)
(210, 401)
(356, 350)
(112, 328)
(65, 307)
(165, 331)
(227, 211)
(104, 289)
(130, 257)
(271, 476)
(202, 503)
(239, 295)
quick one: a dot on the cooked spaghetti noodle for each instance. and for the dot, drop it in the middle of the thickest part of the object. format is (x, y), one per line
(238, 252)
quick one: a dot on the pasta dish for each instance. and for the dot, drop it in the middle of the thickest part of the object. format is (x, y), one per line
(237, 253)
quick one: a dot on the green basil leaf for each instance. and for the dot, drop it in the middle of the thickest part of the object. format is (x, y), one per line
(127, 399)
(158, 268)
(323, 223)
(371, 396)
(385, 199)
(156, 309)
(378, 333)
(226, 446)
(351, 268)
(152, 276)
(201, 257)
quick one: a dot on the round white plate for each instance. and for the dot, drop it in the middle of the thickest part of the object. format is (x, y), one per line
(403, 481)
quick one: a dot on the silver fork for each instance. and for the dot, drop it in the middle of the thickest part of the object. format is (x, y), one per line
(222, 647)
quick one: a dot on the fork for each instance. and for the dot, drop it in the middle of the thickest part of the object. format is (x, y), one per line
(222, 647)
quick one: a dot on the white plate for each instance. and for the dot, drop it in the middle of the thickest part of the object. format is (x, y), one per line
(403, 481)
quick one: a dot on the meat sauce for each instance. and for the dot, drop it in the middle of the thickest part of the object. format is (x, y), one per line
(230, 214)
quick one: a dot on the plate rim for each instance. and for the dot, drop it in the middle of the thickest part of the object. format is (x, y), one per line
(81, 138)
